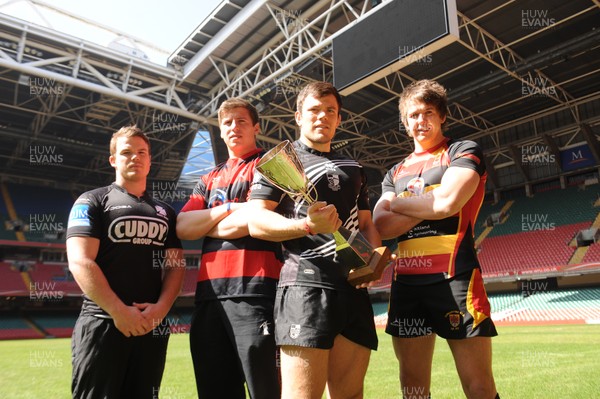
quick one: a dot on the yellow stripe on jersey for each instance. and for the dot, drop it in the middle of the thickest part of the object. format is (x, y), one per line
(426, 246)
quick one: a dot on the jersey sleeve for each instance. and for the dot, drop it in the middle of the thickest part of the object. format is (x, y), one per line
(387, 185)
(197, 199)
(363, 196)
(262, 189)
(172, 240)
(85, 218)
(467, 154)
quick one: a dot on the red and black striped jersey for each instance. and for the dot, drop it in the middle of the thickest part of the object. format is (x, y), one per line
(435, 250)
(244, 267)
(338, 180)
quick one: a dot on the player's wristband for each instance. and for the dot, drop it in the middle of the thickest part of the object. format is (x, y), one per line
(229, 208)
(307, 228)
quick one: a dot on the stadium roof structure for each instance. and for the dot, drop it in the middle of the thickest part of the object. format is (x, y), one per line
(522, 78)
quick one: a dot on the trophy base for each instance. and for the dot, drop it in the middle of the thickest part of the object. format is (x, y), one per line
(373, 270)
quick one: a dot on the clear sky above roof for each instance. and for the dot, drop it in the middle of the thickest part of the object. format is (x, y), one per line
(162, 24)
(166, 24)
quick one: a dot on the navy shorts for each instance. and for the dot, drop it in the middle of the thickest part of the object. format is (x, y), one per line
(312, 317)
(453, 309)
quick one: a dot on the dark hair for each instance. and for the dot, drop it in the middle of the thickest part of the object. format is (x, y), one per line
(237, 102)
(127, 131)
(428, 91)
(318, 89)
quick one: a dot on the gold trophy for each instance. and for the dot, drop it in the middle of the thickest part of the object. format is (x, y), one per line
(281, 166)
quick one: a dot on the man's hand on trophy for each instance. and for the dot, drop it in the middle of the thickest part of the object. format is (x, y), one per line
(322, 218)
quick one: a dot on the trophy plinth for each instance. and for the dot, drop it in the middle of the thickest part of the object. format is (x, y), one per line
(282, 167)
(373, 269)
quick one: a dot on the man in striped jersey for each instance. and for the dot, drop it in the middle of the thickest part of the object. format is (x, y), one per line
(429, 203)
(231, 337)
(323, 325)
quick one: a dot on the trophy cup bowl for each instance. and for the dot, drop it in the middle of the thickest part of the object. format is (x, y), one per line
(282, 168)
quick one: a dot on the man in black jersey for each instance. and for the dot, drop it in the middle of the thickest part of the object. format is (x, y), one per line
(231, 337)
(429, 203)
(323, 325)
(124, 253)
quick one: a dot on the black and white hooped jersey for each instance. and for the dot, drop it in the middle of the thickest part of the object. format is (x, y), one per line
(134, 234)
(311, 260)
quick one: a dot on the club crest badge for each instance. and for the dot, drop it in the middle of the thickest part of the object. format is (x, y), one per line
(454, 318)
(334, 182)
(295, 331)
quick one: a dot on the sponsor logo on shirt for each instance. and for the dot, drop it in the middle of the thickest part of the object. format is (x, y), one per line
(138, 230)
(79, 216)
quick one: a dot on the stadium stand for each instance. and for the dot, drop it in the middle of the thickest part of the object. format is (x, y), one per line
(54, 325)
(15, 327)
(43, 221)
(53, 278)
(537, 250)
(560, 307)
(12, 281)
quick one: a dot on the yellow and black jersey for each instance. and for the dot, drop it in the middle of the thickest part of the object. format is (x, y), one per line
(435, 250)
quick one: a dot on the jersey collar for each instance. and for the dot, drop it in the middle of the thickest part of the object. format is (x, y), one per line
(301, 145)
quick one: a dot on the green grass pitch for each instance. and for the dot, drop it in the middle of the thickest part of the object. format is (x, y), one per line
(554, 361)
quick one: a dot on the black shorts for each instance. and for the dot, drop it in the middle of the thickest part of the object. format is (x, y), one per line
(232, 343)
(107, 364)
(312, 317)
(453, 309)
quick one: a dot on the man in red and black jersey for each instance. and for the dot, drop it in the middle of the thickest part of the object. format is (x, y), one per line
(231, 337)
(323, 325)
(429, 203)
(124, 253)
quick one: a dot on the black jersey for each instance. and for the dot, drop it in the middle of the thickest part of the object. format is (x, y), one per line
(134, 234)
(244, 267)
(312, 260)
(435, 250)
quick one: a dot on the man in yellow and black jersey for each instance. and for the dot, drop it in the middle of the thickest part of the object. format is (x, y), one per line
(429, 204)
